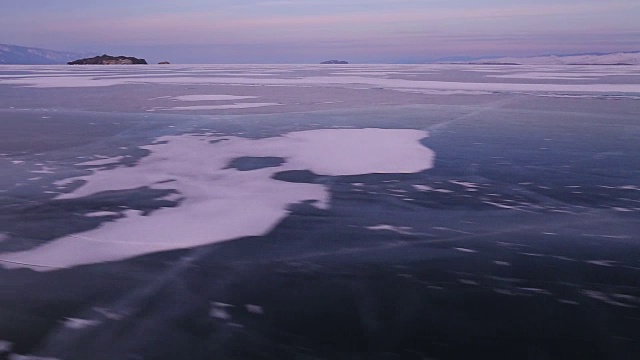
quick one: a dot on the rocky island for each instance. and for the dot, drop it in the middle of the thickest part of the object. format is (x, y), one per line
(331, 62)
(109, 60)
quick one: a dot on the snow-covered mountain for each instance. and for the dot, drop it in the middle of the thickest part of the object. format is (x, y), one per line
(20, 55)
(622, 58)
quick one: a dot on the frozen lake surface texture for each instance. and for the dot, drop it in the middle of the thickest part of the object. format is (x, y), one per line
(319, 212)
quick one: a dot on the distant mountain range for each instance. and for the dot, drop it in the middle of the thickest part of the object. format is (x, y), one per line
(20, 55)
(621, 58)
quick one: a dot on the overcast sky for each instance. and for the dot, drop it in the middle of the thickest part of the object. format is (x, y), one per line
(308, 31)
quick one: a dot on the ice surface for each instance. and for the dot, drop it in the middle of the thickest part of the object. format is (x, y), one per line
(198, 75)
(489, 141)
(216, 197)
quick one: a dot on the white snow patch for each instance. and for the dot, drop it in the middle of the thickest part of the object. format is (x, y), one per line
(568, 302)
(44, 170)
(5, 346)
(29, 357)
(404, 230)
(464, 184)
(620, 209)
(465, 250)
(79, 324)
(220, 107)
(102, 162)
(604, 298)
(532, 254)
(64, 182)
(607, 263)
(219, 311)
(547, 76)
(536, 290)
(220, 314)
(501, 206)
(468, 282)
(210, 97)
(254, 309)
(109, 314)
(208, 78)
(216, 198)
(101, 213)
(442, 228)
(598, 59)
(504, 292)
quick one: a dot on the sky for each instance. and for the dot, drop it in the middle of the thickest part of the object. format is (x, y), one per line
(310, 31)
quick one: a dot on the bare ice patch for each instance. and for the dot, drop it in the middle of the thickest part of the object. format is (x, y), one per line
(221, 203)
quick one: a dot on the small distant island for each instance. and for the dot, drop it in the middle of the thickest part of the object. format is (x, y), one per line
(109, 60)
(332, 62)
(164, 63)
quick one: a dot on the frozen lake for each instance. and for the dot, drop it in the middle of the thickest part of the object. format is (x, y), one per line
(319, 212)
